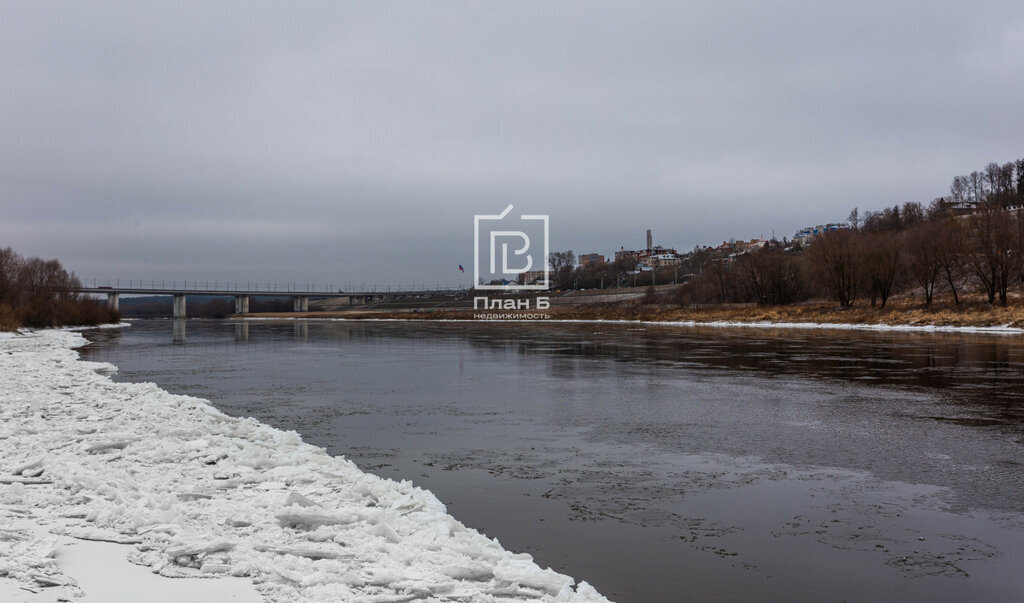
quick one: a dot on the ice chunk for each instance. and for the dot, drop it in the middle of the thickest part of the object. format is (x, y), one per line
(33, 464)
(474, 572)
(294, 498)
(104, 445)
(101, 535)
(209, 495)
(296, 517)
(310, 552)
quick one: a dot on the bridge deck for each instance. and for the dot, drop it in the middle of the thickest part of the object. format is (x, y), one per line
(228, 292)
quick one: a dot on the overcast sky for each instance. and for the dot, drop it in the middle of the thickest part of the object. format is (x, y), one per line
(353, 142)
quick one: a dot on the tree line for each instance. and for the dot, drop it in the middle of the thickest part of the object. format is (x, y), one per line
(40, 293)
(969, 241)
(601, 275)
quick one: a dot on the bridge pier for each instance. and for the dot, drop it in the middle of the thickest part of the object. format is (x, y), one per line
(241, 304)
(300, 303)
(113, 302)
(179, 306)
(178, 331)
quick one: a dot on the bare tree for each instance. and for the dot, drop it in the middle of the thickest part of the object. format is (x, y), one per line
(773, 277)
(923, 256)
(889, 219)
(993, 256)
(976, 188)
(911, 214)
(952, 254)
(41, 293)
(717, 283)
(939, 209)
(999, 181)
(561, 264)
(834, 257)
(959, 191)
(1006, 183)
(10, 269)
(623, 266)
(880, 257)
(854, 219)
(595, 275)
(720, 275)
(1018, 226)
(992, 178)
(1020, 180)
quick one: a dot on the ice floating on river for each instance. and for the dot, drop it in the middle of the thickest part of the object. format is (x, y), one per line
(198, 493)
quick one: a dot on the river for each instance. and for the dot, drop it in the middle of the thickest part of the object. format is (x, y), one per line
(658, 463)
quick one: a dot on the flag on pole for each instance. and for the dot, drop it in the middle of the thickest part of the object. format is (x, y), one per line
(461, 269)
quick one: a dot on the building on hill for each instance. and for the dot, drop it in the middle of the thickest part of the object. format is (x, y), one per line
(806, 235)
(626, 254)
(587, 259)
(659, 257)
(651, 257)
(532, 277)
(751, 245)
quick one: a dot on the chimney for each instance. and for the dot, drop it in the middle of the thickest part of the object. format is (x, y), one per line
(649, 245)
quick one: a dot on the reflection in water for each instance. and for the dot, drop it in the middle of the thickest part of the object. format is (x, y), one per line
(653, 461)
(178, 331)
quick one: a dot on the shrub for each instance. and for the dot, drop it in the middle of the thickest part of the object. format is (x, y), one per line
(40, 293)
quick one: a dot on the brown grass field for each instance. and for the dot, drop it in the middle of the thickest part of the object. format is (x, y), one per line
(904, 310)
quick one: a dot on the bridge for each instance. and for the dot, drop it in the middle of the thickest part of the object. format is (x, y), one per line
(300, 298)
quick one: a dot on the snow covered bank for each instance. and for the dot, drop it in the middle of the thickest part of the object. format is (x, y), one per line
(842, 326)
(198, 493)
(1003, 330)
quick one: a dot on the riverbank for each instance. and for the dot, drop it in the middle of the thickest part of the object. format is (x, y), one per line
(899, 314)
(190, 492)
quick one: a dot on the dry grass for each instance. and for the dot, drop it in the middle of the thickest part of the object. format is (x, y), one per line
(8, 320)
(973, 312)
(907, 310)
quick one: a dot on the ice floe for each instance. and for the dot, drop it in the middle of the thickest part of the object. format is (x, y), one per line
(192, 492)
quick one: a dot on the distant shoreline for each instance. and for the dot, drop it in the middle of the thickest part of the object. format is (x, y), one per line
(902, 315)
(997, 330)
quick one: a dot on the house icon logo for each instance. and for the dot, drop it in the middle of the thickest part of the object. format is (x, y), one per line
(507, 248)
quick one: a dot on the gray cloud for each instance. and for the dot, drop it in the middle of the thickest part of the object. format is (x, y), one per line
(353, 142)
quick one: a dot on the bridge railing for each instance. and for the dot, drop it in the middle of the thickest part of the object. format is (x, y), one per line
(228, 286)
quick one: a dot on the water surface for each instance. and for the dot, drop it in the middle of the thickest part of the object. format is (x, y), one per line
(657, 463)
